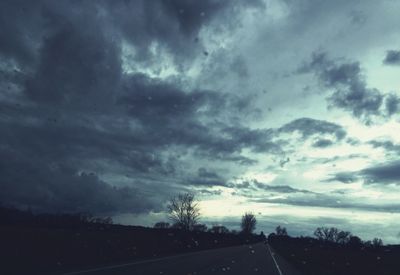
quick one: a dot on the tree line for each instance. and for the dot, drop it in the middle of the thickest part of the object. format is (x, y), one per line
(184, 213)
(334, 235)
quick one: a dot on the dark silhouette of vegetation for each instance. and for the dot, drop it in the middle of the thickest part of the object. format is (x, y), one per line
(58, 243)
(335, 251)
(333, 234)
(248, 224)
(219, 229)
(29, 242)
(377, 243)
(281, 231)
(184, 211)
(162, 225)
(12, 216)
(200, 227)
(355, 242)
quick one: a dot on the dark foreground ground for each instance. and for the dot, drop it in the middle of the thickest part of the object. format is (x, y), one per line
(41, 250)
(237, 260)
(313, 257)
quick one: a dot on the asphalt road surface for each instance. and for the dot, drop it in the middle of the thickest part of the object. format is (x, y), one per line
(238, 260)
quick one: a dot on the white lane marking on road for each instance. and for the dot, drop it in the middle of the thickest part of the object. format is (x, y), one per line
(273, 258)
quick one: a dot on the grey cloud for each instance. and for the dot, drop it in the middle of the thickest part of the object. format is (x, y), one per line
(386, 173)
(245, 184)
(18, 33)
(387, 145)
(174, 24)
(334, 159)
(280, 188)
(83, 139)
(45, 186)
(392, 57)
(74, 66)
(257, 139)
(212, 192)
(382, 174)
(308, 127)
(392, 104)
(350, 91)
(344, 177)
(322, 143)
(69, 107)
(329, 201)
(207, 177)
(283, 162)
(178, 115)
(239, 67)
(256, 185)
(353, 141)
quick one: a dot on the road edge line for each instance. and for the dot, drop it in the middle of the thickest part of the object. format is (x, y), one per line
(273, 258)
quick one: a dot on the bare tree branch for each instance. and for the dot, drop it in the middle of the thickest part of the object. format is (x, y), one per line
(184, 211)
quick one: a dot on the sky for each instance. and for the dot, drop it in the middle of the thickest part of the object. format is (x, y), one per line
(285, 108)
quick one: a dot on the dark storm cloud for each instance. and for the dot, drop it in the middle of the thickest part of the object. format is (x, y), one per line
(386, 173)
(344, 177)
(387, 145)
(177, 116)
(76, 65)
(207, 177)
(392, 58)
(308, 127)
(49, 186)
(258, 186)
(279, 188)
(334, 159)
(19, 31)
(329, 201)
(210, 192)
(350, 91)
(257, 139)
(173, 23)
(382, 174)
(322, 143)
(392, 104)
(68, 107)
(154, 101)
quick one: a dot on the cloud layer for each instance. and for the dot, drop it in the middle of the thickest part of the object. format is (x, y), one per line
(112, 107)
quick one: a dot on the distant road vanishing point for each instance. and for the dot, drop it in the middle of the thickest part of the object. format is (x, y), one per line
(238, 260)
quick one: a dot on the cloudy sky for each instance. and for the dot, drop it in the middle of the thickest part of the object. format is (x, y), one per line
(286, 108)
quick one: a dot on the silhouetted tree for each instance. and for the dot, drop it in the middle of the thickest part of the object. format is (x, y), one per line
(248, 224)
(376, 242)
(343, 237)
(176, 225)
(101, 220)
(281, 231)
(355, 242)
(161, 225)
(367, 244)
(262, 236)
(325, 233)
(332, 234)
(219, 229)
(184, 211)
(200, 227)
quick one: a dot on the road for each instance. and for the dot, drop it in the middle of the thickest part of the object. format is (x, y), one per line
(238, 260)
